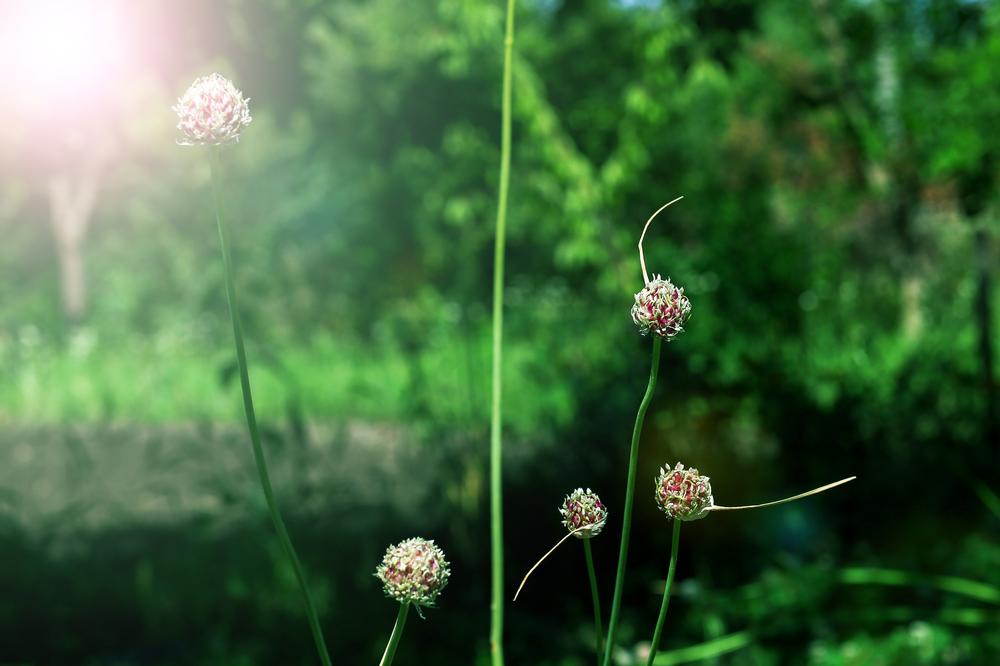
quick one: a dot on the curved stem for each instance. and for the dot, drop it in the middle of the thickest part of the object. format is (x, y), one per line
(397, 633)
(258, 450)
(598, 628)
(496, 444)
(633, 460)
(660, 621)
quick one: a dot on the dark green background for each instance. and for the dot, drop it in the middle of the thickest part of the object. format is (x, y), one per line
(839, 162)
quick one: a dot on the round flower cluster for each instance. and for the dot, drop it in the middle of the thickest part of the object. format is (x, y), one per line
(212, 112)
(414, 571)
(683, 494)
(583, 511)
(661, 308)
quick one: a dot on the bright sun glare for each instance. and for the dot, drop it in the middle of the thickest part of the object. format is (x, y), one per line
(60, 53)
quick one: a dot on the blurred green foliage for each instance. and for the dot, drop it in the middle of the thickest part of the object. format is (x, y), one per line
(839, 161)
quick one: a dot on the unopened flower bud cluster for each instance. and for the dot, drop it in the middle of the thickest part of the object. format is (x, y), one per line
(683, 494)
(583, 510)
(414, 571)
(661, 308)
(212, 112)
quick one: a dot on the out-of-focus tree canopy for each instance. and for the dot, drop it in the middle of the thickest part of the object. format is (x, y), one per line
(839, 163)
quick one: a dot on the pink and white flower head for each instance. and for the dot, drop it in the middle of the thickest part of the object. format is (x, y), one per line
(661, 308)
(683, 494)
(212, 112)
(414, 571)
(583, 511)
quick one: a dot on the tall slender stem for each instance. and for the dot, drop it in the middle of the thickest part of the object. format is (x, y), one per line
(496, 444)
(397, 632)
(660, 621)
(633, 459)
(258, 449)
(598, 627)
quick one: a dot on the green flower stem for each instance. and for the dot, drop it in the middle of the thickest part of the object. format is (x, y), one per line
(598, 628)
(496, 444)
(633, 459)
(660, 621)
(397, 632)
(258, 450)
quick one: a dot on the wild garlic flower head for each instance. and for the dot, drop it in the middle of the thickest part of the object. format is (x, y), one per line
(661, 308)
(683, 494)
(414, 571)
(583, 511)
(212, 112)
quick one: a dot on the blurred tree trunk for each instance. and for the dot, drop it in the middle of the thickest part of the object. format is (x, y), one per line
(984, 321)
(975, 193)
(72, 199)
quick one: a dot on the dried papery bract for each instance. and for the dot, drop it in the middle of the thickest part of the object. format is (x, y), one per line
(786, 500)
(642, 236)
(212, 112)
